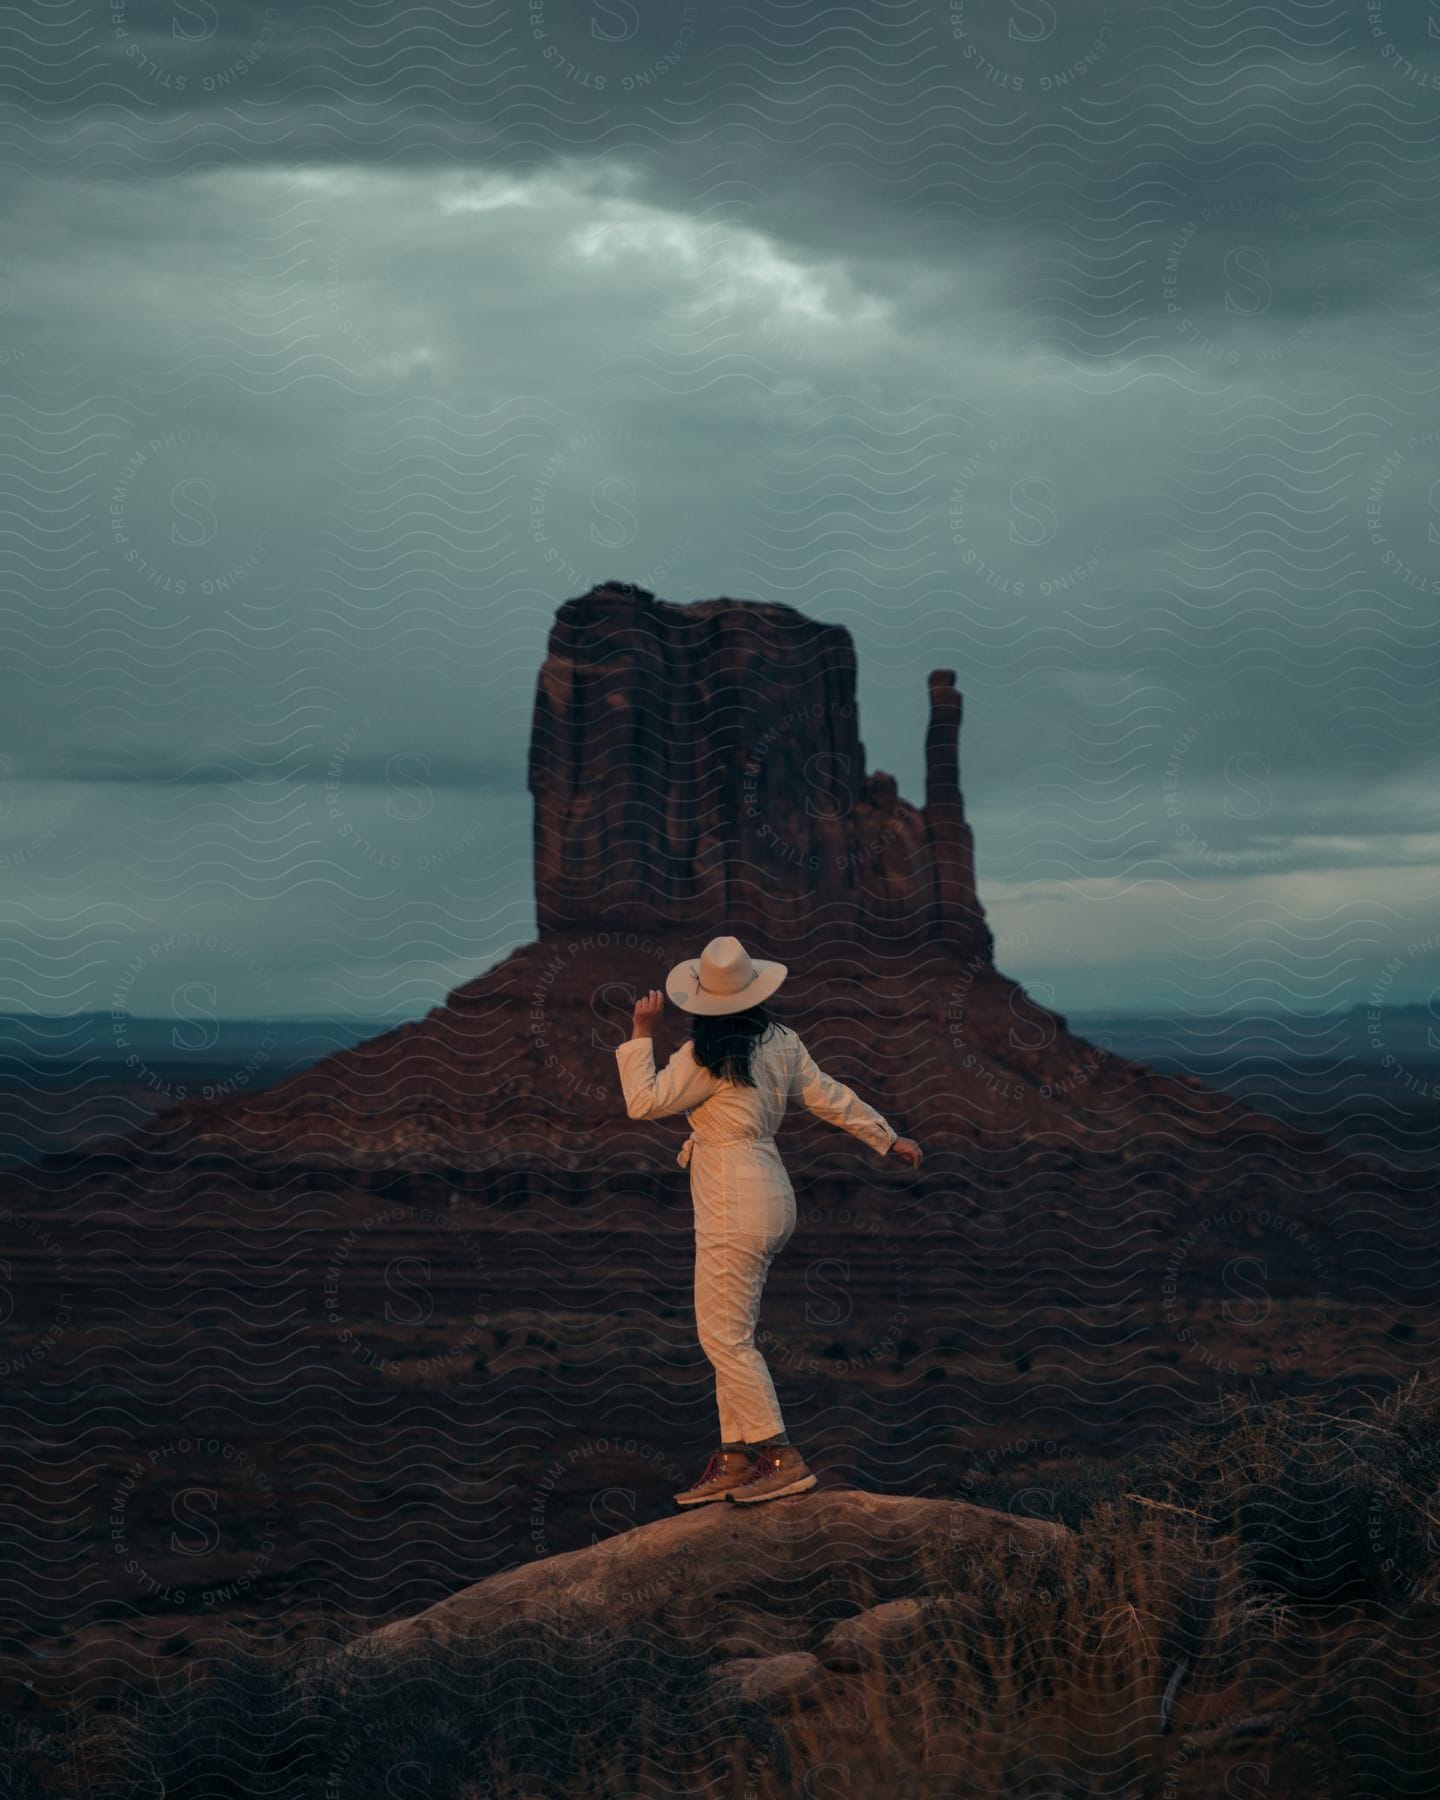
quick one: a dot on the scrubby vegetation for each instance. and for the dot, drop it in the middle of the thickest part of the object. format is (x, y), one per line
(1247, 1607)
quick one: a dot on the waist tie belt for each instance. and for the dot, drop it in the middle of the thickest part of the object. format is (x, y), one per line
(688, 1147)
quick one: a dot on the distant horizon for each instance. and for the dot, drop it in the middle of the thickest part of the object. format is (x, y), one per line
(1069, 1012)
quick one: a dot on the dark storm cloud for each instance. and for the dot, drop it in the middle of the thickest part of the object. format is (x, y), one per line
(1076, 348)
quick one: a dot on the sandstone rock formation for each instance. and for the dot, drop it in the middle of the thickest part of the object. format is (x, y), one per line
(852, 1644)
(797, 1678)
(774, 1575)
(691, 764)
(698, 769)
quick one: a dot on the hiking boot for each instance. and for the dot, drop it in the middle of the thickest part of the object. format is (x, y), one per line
(779, 1469)
(726, 1469)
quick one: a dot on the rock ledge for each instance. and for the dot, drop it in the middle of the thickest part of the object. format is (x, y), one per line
(778, 1575)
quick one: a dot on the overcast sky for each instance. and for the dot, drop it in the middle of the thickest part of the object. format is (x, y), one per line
(1094, 359)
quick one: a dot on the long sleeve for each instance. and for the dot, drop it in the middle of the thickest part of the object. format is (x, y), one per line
(681, 1084)
(837, 1104)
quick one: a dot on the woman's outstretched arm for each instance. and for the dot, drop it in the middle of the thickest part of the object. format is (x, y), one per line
(841, 1106)
(681, 1084)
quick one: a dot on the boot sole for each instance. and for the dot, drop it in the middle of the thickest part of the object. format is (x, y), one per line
(703, 1499)
(799, 1486)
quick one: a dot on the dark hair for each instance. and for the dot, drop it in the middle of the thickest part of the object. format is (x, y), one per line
(723, 1042)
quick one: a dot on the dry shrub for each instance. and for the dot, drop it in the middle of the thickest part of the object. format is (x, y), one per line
(1326, 1507)
(1045, 1674)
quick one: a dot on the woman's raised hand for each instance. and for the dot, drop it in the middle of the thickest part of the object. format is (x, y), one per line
(647, 1010)
(908, 1150)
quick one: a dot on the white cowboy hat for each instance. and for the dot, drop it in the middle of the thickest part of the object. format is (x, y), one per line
(725, 979)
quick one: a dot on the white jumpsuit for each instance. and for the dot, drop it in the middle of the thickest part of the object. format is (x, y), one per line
(744, 1203)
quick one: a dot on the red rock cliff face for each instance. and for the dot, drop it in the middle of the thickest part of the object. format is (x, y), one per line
(700, 767)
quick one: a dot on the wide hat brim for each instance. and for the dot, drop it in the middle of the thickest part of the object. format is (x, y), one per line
(682, 984)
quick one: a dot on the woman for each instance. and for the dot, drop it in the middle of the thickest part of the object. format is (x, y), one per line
(734, 1078)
